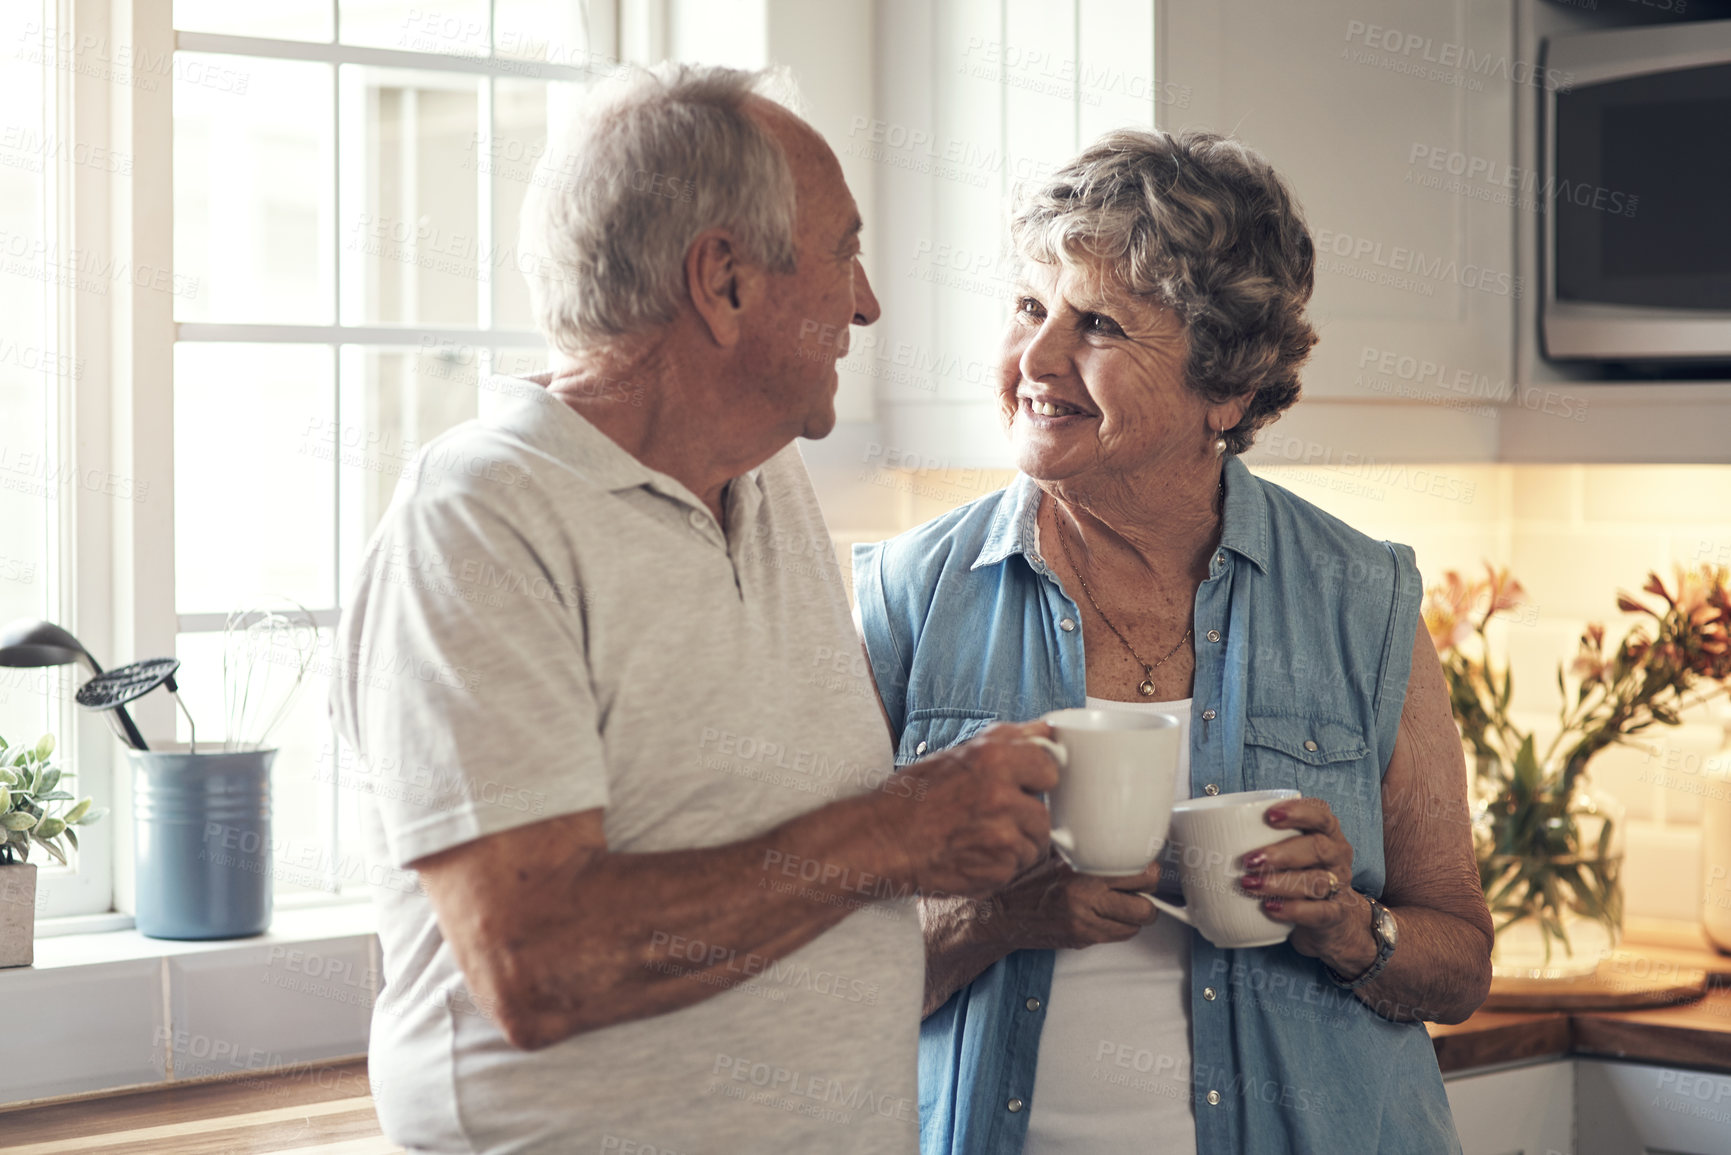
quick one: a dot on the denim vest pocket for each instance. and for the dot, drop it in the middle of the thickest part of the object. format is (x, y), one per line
(929, 731)
(1298, 752)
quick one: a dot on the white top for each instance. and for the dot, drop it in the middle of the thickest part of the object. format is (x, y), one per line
(542, 626)
(1114, 1066)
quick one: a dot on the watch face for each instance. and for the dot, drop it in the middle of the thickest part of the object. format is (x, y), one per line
(1385, 926)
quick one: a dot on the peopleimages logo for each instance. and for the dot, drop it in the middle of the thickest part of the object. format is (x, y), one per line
(1499, 182)
(1457, 64)
(1370, 254)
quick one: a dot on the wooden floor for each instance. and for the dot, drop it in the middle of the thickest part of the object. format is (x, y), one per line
(318, 1110)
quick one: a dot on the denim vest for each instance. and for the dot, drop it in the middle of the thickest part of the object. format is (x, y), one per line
(1304, 632)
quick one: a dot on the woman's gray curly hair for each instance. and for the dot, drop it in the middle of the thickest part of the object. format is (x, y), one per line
(1203, 225)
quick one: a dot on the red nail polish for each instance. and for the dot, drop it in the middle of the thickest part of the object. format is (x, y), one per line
(1275, 815)
(1255, 861)
(1273, 905)
(1252, 882)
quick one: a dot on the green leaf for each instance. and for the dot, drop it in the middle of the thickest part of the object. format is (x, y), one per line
(50, 828)
(56, 796)
(1527, 772)
(44, 747)
(96, 815)
(5, 798)
(54, 851)
(18, 820)
(78, 811)
(9, 777)
(50, 778)
(72, 837)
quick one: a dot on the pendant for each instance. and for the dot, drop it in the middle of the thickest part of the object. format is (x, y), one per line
(1146, 689)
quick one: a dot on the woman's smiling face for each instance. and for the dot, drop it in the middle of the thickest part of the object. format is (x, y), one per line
(1092, 379)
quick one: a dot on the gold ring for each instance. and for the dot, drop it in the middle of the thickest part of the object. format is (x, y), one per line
(1333, 886)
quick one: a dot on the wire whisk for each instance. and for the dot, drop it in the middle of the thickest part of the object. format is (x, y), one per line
(266, 653)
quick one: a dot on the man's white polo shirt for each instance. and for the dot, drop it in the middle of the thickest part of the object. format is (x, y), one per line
(542, 625)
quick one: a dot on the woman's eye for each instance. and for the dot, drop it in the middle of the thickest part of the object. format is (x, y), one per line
(1029, 307)
(1106, 326)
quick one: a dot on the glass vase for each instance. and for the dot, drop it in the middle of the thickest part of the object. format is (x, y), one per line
(1551, 868)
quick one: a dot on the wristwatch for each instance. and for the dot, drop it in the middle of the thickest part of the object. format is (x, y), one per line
(1386, 933)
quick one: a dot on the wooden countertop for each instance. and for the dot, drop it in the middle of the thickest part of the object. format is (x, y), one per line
(1696, 1035)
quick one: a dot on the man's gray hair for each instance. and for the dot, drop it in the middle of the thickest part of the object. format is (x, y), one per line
(1203, 225)
(653, 159)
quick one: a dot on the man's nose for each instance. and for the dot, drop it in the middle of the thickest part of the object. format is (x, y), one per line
(865, 302)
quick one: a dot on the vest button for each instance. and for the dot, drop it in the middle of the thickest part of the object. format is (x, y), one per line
(1214, 1098)
(1208, 993)
(1214, 635)
(920, 749)
(1014, 1105)
(1211, 790)
(1310, 744)
(1208, 715)
(1067, 625)
(1032, 1004)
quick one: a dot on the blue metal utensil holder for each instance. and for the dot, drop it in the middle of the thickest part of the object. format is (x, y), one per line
(202, 827)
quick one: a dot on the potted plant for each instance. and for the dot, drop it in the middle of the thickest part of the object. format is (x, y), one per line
(30, 795)
(1549, 847)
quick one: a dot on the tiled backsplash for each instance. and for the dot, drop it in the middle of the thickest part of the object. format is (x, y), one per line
(1573, 534)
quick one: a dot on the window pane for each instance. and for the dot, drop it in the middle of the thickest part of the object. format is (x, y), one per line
(301, 798)
(455, 27)
(31, 367)
(255, 439)
(393, 403)
(546, 30)
(253, 190)
(278, 20)
(523, 110)
(412, 249)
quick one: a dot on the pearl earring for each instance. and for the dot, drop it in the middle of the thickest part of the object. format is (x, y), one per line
(1219, 446)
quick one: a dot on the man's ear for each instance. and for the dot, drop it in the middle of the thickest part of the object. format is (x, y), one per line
(723, 287)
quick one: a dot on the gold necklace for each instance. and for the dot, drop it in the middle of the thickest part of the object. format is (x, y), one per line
(1146, 686)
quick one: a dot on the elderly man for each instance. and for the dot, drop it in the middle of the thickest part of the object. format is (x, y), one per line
(641, 805)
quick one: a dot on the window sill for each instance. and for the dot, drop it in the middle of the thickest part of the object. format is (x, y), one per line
(71, 944)
(129, 1011)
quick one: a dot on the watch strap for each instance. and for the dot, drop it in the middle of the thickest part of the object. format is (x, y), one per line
(1384, 952)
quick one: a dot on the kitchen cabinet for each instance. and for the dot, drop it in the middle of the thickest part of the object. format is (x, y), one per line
(1525, 1111)
(1392, 122)
(1592, 1107)
(1628, 1108)
(1389, 119)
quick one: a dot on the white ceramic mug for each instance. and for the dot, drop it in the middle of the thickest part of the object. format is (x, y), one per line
(1210, 835)
(1114, 796)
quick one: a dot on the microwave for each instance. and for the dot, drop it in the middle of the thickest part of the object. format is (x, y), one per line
(1636, 184)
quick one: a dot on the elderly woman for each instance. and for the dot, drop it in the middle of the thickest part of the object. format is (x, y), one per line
(1158, 324)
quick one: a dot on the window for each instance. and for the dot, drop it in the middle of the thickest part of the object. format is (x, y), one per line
(347, 178)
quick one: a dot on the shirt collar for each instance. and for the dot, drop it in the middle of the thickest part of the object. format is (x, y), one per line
(546, 423)
(1013, 527)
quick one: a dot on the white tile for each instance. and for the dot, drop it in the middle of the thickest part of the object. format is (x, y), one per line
(276, 1003)
(1645, 494)
(83, 1029)
(1633, 777)
(1662, 871)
